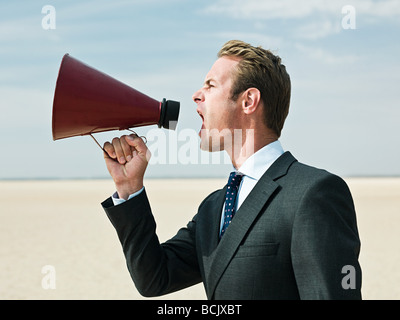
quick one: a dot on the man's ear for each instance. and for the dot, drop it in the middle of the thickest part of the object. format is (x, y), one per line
(251, 100)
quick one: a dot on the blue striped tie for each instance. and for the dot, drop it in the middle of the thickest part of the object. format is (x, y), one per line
(230, 199)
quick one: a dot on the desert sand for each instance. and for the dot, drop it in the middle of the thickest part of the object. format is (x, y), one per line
(57, 243)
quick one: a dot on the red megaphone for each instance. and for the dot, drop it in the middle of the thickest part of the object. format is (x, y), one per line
(87, 101)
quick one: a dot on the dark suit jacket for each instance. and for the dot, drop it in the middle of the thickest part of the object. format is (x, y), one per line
(290, 239)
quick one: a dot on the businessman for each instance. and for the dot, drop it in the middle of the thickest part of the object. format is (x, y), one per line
(279, 229)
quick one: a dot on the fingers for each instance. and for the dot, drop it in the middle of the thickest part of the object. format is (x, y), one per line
(138, 145)
(124, 148)
(136, 142)
(109, 151)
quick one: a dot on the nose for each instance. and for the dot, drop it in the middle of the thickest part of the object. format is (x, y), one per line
(198, 96)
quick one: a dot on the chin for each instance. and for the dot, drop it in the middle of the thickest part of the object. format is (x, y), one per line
(207, 143)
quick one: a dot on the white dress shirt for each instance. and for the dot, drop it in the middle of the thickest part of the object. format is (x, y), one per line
(117, 200)
(252, 169)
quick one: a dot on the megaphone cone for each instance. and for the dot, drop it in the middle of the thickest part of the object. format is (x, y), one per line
(87, 101)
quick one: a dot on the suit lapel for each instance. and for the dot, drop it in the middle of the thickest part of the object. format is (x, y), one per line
(233, 236)
(216, 257)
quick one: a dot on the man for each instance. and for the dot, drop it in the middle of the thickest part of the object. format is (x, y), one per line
(286, 231)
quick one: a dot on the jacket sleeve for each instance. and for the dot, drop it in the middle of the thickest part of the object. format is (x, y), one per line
(156, 269)
(325, 243)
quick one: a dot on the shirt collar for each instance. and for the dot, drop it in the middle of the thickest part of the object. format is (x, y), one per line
(259, 162)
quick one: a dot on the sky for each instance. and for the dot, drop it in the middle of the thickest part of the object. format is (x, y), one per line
(342, 57)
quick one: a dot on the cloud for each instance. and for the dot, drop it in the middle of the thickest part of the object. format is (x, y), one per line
(325, 56)
(293, 9)
(265, 9)
(380, 9)
(311, 19)
(318, 29)
(268, 42)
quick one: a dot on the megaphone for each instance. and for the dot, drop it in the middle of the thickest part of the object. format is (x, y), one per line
(88, 101)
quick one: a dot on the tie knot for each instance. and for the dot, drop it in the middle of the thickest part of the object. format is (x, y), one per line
(234, 179)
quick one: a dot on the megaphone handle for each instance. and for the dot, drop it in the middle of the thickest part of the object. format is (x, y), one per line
(97, 142)
(143, 137)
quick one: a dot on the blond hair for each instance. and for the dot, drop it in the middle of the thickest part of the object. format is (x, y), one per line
(260, 68)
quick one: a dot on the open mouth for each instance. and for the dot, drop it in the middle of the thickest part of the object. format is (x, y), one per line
(202, 119)
(201, 116)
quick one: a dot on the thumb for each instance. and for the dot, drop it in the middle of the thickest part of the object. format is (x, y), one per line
(138, 144)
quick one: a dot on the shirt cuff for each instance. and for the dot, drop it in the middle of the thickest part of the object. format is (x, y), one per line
(116, 200)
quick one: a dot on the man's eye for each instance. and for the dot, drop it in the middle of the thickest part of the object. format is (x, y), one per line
(208, 85)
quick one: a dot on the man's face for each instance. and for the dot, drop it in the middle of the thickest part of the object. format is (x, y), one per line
(218, 112)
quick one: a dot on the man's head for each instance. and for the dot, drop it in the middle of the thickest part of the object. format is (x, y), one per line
(261, 69)
(246, 88)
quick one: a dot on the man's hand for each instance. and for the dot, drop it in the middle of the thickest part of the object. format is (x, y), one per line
(126, 159)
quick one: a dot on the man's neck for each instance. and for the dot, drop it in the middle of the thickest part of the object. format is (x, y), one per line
(250, 145)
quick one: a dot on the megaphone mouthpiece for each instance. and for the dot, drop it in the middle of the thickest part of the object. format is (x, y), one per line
(169, 114)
